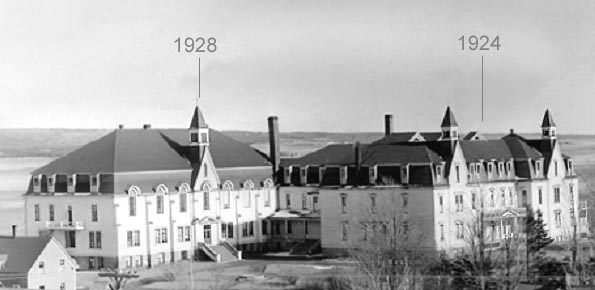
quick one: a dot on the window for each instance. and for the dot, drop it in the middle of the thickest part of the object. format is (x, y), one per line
(570, 168)
(267, 198)
(459, 202)
(473, 200)
(186, 233)
(524, 197)
(94, 240)
(51, 212)
(540, 195)
(373, 203)
(180, 234)
(503, 198)
(265, 227)
(94, 213)
(365, 232)
(490, 169)
(509, 168)
(344, 231)
(133, 238)
(537, 167)
(304, 200)
(458, 170)
(248, 229)
(206, 200)
(36, 212)
(194, 137)
(471, 171)
(556, 168)
(405, 201)
(405, 227)
(226, 198)
(41, 266)
(204, 138)
(510, 199)
(557, 218)
(289, 227)
(343, 202)
(247, 197)
(460, 231)
(478, 169)
(206, 170)
(315, 203)
(571, 193)
(161, 236)
(132, 205)
(160, 204)
(224, 230)
(70, 239)
(442, 232)
(492, 200)
(230, 230)
(183, 202)
(500, 169)
(288, 200)
(556, 195)
(441, 203)
(439, 173)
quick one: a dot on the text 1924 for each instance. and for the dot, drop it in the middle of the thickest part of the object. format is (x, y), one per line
(473, 42)
(199, 44)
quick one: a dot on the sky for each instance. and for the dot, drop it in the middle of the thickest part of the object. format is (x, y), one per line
(335, 66)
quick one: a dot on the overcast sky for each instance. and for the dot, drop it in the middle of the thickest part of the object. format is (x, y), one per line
(318, 65)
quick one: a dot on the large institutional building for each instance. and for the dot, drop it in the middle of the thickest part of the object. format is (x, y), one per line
(139, 197)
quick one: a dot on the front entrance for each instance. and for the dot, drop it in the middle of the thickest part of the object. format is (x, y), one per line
(207, 234)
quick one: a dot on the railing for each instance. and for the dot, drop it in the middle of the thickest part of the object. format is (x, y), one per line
(232, 249)
(65, 225)
(210, 252)
(314, 247)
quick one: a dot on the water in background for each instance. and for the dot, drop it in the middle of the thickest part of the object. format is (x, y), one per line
(14, 179)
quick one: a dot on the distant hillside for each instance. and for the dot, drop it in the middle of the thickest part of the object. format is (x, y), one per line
(58, 142)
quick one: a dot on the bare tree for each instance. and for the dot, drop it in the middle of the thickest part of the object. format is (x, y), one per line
(392, 251)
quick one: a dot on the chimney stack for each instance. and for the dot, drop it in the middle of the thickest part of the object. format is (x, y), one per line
(14, 231)
(388, 124)
(121, 126)
(511, 131)
(358, 162)
(147, 126)
(274, 151)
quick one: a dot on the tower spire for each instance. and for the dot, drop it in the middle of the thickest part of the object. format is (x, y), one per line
(548, 126)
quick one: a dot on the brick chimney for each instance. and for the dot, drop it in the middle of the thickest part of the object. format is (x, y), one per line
(147, 126)
(388, 124)
(274, 151)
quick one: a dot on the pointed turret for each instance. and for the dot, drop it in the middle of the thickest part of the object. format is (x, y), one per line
(450, 127)
(548, 126)
(199, 131)
(198, 120)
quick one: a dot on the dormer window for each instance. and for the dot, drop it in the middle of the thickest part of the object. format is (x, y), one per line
(95, 183)
(509, 168)
(570, 167)
(405, 175)
(343, 175)
(439, 173)
(471, 171)
(70, 183)
(303, 175)
(478, 170)
(490, 169)
(373, 174)
(204, 138)
(500, 169)
(36, 184)
(51, 183)
(537, 168)
(287, 174)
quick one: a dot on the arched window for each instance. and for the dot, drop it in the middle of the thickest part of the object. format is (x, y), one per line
(133, 191)
(226, 193)
(206, 189)
(161, 189)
